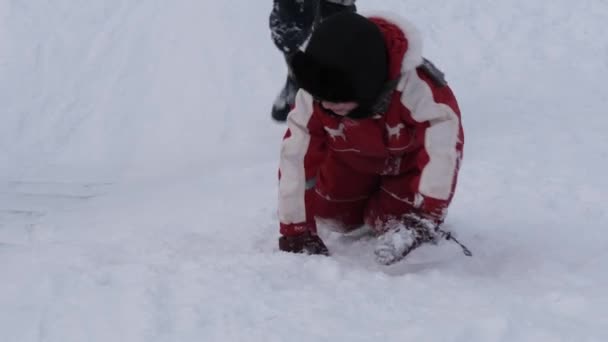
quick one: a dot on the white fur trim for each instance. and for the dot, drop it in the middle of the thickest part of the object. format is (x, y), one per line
(413, 55)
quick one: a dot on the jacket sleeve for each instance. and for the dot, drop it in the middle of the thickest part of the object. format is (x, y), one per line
(302, 152)
(435, 110)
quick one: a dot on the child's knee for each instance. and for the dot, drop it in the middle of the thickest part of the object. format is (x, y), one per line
(339, 215)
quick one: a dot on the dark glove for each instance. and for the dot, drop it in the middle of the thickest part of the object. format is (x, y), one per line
(303, 243)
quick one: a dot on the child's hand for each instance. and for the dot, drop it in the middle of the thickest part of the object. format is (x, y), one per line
(303, 243)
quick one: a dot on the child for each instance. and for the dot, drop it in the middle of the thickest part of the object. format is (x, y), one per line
(375, 138)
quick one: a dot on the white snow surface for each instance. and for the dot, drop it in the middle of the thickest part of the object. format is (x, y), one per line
(138, 180)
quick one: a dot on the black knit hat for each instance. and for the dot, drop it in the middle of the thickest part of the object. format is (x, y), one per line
(345, 60)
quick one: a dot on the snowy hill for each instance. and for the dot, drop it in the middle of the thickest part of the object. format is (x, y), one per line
(138, 180)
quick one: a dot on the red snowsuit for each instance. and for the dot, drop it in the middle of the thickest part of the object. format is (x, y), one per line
(376, 169)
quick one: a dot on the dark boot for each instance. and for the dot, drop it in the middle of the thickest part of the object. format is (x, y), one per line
(285, 100)
(291, 23)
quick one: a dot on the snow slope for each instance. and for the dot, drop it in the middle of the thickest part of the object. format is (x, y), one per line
(138, 180)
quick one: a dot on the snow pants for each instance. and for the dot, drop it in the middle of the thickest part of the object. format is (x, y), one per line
(345, 199)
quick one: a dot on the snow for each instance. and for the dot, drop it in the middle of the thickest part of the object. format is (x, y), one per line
(138, 169)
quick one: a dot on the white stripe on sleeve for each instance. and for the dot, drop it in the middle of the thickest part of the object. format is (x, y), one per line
(440, 139)
(292, 186)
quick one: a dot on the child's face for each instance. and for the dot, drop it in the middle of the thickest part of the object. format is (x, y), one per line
(340, 108)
